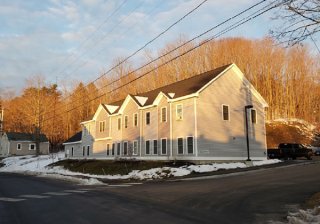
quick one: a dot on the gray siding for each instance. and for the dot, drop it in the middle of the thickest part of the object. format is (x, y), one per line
(220, 138)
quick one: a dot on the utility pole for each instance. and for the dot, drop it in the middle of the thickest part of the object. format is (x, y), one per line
(38, 124)
(1, 119)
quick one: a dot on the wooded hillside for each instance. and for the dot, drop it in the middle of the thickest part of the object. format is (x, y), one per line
(289, 80)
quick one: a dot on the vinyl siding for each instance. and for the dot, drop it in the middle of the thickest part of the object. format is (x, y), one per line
(102, 116)
(182, 128)
(220, 138)
(44, 148)
(149, 132)
(87, 139)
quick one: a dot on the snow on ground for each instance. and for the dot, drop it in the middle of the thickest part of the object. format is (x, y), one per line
(309, 216)
(38, 165)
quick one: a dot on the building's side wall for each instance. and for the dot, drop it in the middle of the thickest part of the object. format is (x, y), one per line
(131, 133)
(88, 133)
(102, 117)
(164, 127)
(25, 145)
(116, 133)
(149, 131)
(77, 151)
(222, 139)
(4, 146)
(184, 127)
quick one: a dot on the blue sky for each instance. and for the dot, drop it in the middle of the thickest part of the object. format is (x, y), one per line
(68, 40)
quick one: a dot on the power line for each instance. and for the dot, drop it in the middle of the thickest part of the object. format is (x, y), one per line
(145, 45)
(220, 24)
(129, 28)
(96, 30)
(100, 40)
(235, 25)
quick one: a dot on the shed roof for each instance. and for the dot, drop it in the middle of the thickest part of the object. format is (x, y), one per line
(18, 136)
(75, 138)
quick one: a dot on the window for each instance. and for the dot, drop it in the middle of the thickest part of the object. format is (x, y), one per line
(225, 112)
(163, 114)
(190, 145)
(147, 147)
(118, 148)
(112, 150)
(164, 146)
(88, 150)
(155, 147)
(72, 151)
(119, 123)
(135, 147)
(148, 118)
(125, 148)
(102, 126)
(83, 150)
(180, 145)
(125, 121)
(32, 146)
(108, 149)
(135, 120)
(19, 146)
(253, 116)
(179, 112)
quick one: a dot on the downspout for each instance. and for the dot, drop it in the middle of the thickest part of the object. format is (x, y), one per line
(171, 134)
(195, 127)
(141, 132)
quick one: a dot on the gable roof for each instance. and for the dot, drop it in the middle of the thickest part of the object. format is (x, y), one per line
(180, 88)
(17, 136)
(75, 138)
(184, 87)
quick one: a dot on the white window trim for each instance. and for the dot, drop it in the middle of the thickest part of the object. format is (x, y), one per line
(118, 149)
(183, 151)
(32, 144)
(190, 136)
(146, 118)
(166, 115)
(126, 121)
(88, 150)
(119, 128)
(150, 147)
(179, 119)
(113, 152)
(102, 127)
(153, 147)
(134, 115)
(255, 117)
(135, 154)
(108, 149)
(166, 146)
(228, 112)
(127, 148)
(19, 149)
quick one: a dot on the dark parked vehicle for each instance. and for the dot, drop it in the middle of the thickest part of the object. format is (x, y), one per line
(290, 150)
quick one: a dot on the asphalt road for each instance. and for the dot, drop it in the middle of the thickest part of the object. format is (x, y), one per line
(248, 197)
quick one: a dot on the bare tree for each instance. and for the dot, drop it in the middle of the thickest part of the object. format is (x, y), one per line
(301, 19)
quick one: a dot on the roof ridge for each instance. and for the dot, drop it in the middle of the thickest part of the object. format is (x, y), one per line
(162, 87)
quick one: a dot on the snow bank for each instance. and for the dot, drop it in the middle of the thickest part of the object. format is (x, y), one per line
(310, 216)
(38, 165)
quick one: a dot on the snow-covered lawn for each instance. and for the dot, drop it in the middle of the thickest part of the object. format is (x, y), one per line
(38, 165)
